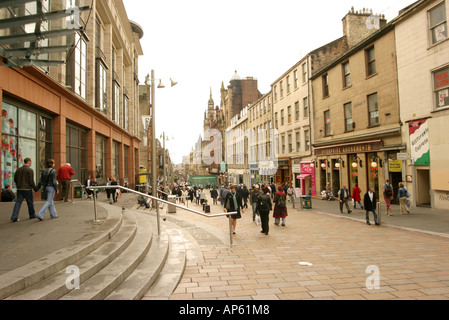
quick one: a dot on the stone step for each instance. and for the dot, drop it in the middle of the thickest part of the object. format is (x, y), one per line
(99, 286)
(173, 270)
(139, 282)
(35, 271)
(54, 287)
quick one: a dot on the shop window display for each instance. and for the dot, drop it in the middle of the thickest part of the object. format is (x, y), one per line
(18, 141)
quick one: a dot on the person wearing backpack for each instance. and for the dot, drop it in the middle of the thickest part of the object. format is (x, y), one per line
(264, 206)
(280, 206)
(388, 195)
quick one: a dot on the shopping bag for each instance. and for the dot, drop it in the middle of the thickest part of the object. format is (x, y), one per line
(257, 220)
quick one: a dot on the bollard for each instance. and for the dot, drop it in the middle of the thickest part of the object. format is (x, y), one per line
(379, 213)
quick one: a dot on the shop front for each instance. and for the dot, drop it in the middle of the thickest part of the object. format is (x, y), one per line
(363, 164)
(42, 120)
(305, 180)
(284, 172)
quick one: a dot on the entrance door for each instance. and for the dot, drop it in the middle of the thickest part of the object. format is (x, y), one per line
(395, 179)
(422, 188)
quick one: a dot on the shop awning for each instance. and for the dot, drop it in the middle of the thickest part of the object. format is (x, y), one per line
(303, 176)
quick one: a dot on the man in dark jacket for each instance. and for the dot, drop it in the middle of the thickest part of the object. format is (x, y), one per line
(370, 202)
(264, 206)
(24, 180)
(253, 197)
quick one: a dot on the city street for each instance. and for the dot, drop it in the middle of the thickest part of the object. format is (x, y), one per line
(317, 255)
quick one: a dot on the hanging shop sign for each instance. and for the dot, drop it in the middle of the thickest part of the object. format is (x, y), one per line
(419, 142)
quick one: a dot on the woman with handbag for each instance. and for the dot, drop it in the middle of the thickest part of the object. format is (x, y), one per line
(403, 195)
(50, 188)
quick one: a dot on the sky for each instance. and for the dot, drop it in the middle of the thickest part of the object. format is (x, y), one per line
(201, 43)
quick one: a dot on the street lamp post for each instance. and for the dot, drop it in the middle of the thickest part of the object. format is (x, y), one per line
(153, 144)
(150, 82)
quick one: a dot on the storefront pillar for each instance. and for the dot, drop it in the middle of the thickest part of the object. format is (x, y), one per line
(60, 142)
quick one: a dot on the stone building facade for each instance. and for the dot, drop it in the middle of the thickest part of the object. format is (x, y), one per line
(262, 151)
(84, 111)
(423, 74)
(357, 126)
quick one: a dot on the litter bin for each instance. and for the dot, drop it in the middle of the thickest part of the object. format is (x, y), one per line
(306, 202)
(171, 208)
(78, 192)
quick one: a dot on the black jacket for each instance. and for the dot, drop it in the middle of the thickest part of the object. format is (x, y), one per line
(368, 204)
(264, 201)
(231, 202)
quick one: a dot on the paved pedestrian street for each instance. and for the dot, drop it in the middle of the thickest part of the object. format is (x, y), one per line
(315, 256)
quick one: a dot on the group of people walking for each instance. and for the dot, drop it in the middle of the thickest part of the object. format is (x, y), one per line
(48, 184)
(371, 199)
(262, 200)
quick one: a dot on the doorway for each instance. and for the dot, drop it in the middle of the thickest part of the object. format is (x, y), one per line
(395, 179)
(422, 187)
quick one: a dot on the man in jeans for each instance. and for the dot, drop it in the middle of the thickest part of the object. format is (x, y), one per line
(344, 198)
(64, 176)
(24, 180)
(370, 202)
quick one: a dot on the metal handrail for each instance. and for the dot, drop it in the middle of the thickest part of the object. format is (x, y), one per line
(94, 189)
(75, 181)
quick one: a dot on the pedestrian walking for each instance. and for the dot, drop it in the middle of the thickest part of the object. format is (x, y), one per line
(224, 194)
(344, 198)
(370, 202)
(233, 203)
(253, 198)
(280, 206)
(264, 206)
(245, 195)
(388, 196)
(24, 180)
(108, 191)
(114, 190)
(64, 176)
(184, 195)
(214, 195)
(197, 195)
(191, 194)
(203, 198)
(273, 190)
(220, 195)
(356, 196)
(8, 194)
(290, 194)
(403, 195)
(49, 183)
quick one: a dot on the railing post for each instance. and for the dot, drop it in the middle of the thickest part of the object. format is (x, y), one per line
(231, 242)
(158, 219)
(95, 205)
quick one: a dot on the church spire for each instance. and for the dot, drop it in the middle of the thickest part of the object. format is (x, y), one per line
(211, 101)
